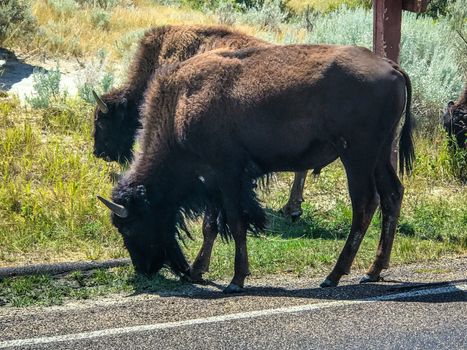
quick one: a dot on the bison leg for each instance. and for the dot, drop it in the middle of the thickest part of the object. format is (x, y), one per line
(293, 208)
(241, 260)
(364, 202)
(391, 192)
(210, 231)
(233, 188)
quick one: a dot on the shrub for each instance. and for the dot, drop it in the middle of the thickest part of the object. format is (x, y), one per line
(103, 85)
(104, 4)
(100, 19)
(127, 44)
(267, 15)
(63, 7)
(94, 79)
(430, 59)
(326, 6)
(433, 65)
(344, 27)
(307, 18)
(15, 19)
(437, 8)
(46, 89)
(457, 14)
(225, 12)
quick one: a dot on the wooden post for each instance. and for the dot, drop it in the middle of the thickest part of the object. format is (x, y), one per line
(387, 19)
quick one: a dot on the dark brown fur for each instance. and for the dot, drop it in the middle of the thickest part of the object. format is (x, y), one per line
(116, 130)
(221, 119)
(455, 121)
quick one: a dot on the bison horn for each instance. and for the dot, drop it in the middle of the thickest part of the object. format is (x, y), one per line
(117, 209)
(101, 104)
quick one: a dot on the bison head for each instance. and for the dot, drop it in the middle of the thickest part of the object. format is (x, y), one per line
(114, 129)
(455, 123)
(148, 230)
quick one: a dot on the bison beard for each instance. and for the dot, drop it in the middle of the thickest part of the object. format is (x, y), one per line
(221, 119)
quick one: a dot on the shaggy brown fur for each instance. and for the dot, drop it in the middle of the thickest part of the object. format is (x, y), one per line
(455, 120)
(115, 131)
(218, 120)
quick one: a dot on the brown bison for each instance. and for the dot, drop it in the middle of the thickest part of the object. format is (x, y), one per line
(455, 121)
(217, 121)
(117, 115)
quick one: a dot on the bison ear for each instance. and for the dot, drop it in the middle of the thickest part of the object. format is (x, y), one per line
(141, 191)
(449, 105)
(123, 104)
(141, 194)
(122, 109)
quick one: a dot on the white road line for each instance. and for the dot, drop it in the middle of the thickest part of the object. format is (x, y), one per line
(230, 317)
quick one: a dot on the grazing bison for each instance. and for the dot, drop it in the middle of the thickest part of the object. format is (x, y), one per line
(217, 121)
(117, 115)
(455, 121)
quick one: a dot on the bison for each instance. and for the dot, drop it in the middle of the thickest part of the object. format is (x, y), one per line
(214, 123)
(117, 116)
(455, 121)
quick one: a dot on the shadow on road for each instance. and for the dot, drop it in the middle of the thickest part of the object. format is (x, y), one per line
(345, 292)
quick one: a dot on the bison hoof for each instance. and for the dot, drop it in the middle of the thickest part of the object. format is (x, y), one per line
(328, 283)
(193, 279)
(233, 289)
(294, 216)
(369, 278)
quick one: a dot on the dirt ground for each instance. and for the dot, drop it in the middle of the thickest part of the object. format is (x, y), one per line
(16, 72)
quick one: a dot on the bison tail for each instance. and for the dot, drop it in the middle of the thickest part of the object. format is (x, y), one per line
(406, 145)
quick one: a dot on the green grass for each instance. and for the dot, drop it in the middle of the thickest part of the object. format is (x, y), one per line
(49, 212)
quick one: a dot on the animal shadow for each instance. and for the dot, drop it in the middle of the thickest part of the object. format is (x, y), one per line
(12, 70)
(307, 226)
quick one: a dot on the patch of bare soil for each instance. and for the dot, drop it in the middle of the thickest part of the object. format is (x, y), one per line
(16, 72)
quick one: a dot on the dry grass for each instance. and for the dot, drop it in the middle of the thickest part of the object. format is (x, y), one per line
(321, 5)
(76, 35)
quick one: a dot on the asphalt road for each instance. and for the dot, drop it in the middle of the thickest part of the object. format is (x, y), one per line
(418, 307)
